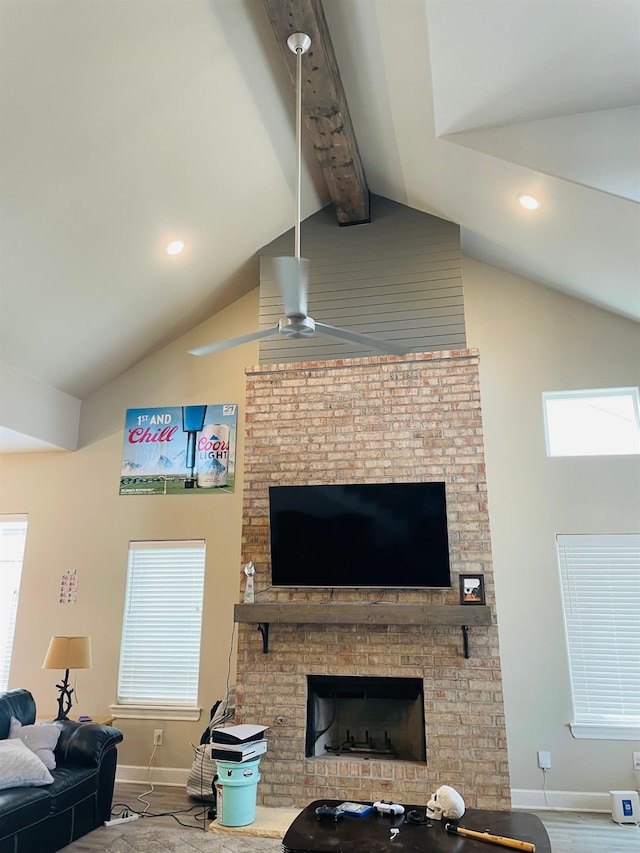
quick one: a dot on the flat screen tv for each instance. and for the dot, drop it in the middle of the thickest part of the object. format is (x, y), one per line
(369, 535)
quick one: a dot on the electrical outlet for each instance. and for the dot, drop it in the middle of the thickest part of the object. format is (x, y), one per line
(157, 737)
(636, 760)
(544, 759)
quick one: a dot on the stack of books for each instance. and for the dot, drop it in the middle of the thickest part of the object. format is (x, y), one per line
(238, 743)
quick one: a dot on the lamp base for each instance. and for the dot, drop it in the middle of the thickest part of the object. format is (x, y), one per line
(64, 699)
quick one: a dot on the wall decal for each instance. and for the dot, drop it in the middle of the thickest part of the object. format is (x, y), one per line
(179, 450)
(69, 587)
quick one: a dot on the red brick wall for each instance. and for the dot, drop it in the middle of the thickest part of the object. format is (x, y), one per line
(379, 419)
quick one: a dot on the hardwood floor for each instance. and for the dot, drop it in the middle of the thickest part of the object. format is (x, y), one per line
(588, 832)
(570, 832)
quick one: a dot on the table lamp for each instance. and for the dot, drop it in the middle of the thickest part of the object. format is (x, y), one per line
(67, 653)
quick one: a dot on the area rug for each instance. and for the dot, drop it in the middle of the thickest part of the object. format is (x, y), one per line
(268, 823)
(141, 837)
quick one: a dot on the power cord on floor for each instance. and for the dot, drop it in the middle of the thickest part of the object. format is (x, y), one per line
(120, 810)
(127, 811)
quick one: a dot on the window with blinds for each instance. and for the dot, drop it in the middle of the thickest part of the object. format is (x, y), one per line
(13, 534)
(160, 650)
(601, 593)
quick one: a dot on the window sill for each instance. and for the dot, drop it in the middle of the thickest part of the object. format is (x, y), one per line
(154, 712)
(604, 732)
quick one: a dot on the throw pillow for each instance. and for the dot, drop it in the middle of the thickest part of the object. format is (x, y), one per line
(40, 739)
(21, 768)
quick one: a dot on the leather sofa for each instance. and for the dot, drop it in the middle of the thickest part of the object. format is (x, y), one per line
(47, 818)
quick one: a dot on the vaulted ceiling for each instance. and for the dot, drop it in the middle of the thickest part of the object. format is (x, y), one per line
(127, 124)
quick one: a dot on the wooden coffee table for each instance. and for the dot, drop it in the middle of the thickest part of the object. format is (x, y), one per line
(371, 833)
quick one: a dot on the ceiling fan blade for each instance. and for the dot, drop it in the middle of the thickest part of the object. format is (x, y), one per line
(365, 340)
(234, 342)
(292, 275)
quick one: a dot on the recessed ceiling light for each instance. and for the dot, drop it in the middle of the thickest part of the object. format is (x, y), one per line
(529, 202)
(174, 247)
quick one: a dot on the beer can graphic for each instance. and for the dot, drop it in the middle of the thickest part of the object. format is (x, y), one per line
(213, 456)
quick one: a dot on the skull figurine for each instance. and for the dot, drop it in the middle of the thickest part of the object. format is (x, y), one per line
(446, 802)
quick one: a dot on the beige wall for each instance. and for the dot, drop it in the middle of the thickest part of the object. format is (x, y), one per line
(78, 520)
(530, 339)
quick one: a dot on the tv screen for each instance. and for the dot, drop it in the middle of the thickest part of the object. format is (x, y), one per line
(369, 535)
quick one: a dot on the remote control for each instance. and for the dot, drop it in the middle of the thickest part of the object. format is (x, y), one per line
(383, 807)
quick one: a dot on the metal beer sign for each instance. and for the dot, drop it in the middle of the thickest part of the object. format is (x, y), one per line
(179, 450)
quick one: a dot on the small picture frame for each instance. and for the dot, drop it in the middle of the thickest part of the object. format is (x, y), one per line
(472, 589)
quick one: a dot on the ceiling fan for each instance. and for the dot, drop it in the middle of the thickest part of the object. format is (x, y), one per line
(292, 273)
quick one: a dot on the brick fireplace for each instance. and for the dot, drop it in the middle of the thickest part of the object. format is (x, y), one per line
(377, 419)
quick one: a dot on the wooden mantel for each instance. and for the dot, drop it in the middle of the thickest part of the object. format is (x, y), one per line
(365, 614)
(378, 613)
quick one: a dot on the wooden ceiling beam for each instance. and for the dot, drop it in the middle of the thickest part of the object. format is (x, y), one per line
(324, 105)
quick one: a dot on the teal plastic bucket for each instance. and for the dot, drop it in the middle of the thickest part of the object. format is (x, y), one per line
(236, 791)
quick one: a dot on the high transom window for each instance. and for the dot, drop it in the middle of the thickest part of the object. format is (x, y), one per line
(603, 422)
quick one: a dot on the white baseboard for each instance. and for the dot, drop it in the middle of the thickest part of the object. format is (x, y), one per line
(521, 798)
(566, 801)
(176, 776)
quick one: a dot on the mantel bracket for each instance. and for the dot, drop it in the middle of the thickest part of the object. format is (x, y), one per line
(263, 627)
(465, 640)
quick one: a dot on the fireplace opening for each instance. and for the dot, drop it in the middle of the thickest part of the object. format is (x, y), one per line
(365, 717)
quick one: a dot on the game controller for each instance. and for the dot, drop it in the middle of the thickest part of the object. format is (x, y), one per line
(383, 807)
(329, 812)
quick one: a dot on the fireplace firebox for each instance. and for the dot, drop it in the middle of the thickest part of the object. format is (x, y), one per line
(365, 717)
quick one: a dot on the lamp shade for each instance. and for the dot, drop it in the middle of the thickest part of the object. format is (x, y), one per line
(68, 653)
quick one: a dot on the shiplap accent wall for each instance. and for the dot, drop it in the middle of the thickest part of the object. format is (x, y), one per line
(398, 277)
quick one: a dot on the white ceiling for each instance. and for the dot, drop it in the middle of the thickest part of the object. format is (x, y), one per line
(124, 124)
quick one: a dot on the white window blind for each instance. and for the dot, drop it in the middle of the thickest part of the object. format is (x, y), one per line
(601, 592)
(160, 651)
(13, 534)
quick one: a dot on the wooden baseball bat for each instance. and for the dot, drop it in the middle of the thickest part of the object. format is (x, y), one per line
(492, 839)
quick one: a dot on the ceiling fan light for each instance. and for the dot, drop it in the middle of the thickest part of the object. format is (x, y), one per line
(529, 202)
(174, 247)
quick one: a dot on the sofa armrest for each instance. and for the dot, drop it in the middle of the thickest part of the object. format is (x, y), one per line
(17, 703)
(84, 744)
